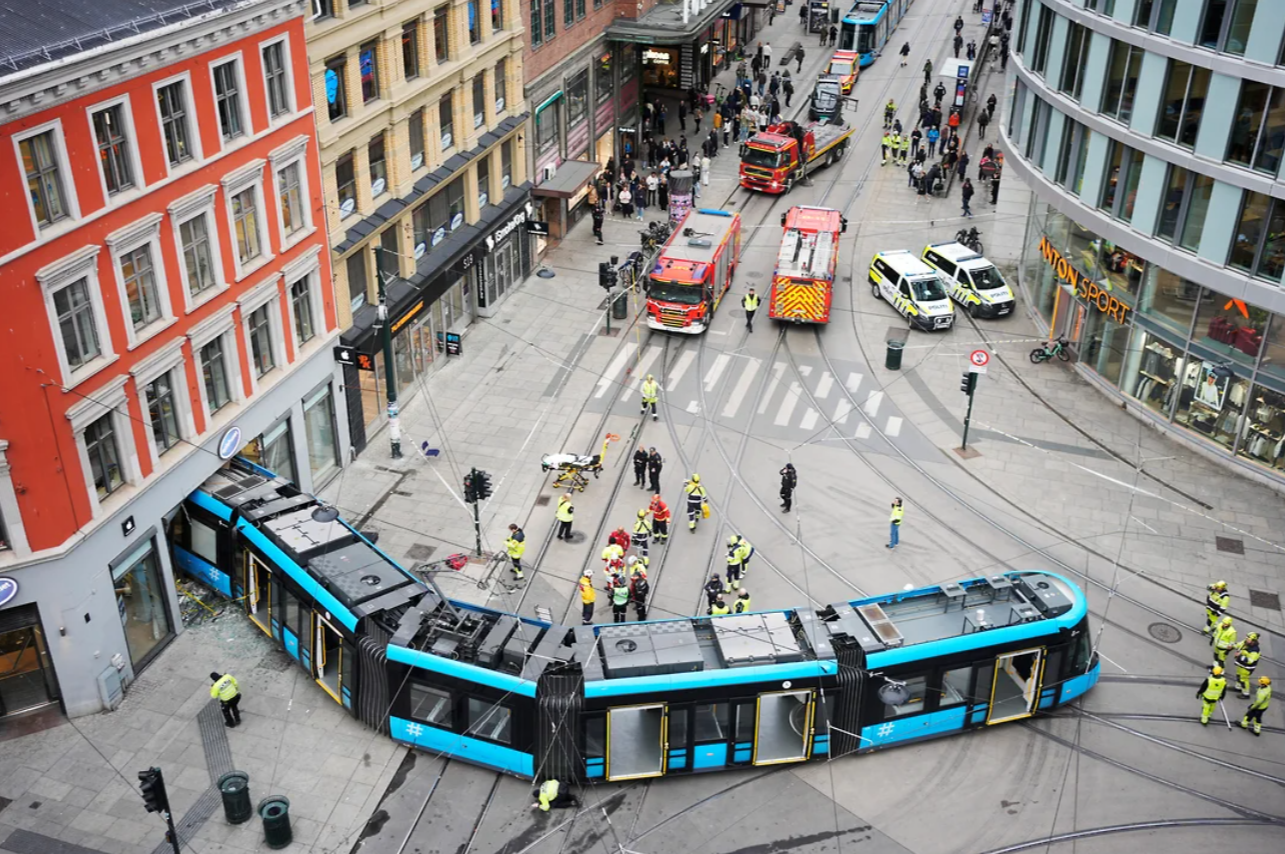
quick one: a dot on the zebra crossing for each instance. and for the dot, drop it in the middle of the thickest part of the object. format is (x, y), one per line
(803, 403)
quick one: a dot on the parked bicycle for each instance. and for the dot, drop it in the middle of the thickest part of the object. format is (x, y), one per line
(1059, 348)
(970, 237)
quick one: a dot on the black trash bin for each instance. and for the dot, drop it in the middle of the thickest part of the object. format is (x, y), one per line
(620, 307)
(892, 360)
(235, 789)
(275, 812)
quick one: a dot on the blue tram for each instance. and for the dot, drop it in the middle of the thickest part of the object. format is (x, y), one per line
(868, 26)
(636, 700)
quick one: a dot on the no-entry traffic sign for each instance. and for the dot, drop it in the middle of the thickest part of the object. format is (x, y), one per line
(978, 359)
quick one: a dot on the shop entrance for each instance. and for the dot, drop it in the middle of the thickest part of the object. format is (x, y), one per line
(26, 674)
(1016, 686)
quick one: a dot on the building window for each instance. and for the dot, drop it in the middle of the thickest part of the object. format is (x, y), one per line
(568, 13)
(1197, 206)
(441, 34)
(104, 456)
(163, 413)
(113, 148)
(497, 15)
(1072, 151)
(550, 18)
(1122, 81)
(501, 84)
(346, 183)
(577, 100)
(227, 96)
(1183, 103)
(537, 24)
(483, 180)
(506, 164)
(546, 130)
(44, 177)
(291, 195)
(323, 9)
(319, 424)
(301, 302)
(260, 327)
(579, 10)
(140, 287)
(1122, 183)
(1171, 205)
(245, 225)
(474, 23)
(140, 598)
(172, 101)
(410, 49)
(356, 268)
(1226, 25)
(1142, 13)
(214, 373)
(277, 79)
(479, 101)
(1258, 132)
(1249, 232)
(336, 91)
(1043, 35)
(198, 257)
(76, 324)
(378, 165)
(1021, 31)
(368, 62)
(415, 127)
(1163, 16)
(1077, 52)
(602, 79)
(445, 118)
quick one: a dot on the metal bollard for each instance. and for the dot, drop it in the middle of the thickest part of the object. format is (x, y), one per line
(275, 812)
(234, 787)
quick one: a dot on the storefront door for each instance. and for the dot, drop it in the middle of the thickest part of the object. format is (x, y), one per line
(26, 675)
(140, 601)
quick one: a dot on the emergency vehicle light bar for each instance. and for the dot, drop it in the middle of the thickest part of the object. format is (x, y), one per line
(712, 212)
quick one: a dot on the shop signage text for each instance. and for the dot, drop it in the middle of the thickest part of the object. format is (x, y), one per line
(230, 443)
(406, 316)
(8, 590)
(1082, 285)
(507, 229)
(655, 57)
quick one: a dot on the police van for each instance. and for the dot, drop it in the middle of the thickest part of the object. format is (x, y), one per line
(973, 281)
(913, 288)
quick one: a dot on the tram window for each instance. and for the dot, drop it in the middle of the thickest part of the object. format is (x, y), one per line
(1052, 667)
(595, 736)
(291, 620)
(713, 721)
(744, 722)
(490, 721)
(821, 715)
(982, 687)
(430, 705)
(204, 540)
(954, 687)
(918, 687)
(345, 666)
(1082, 654)
(677, 719)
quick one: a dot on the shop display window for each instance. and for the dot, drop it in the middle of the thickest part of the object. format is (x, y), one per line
(660, 67)
(1167, 299)
(140, 603)
(1211, 400)
(1155, 367)
(1273, 364)
(1264, 439)
(1229, 327)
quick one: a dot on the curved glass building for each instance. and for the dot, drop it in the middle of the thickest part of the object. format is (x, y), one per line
(1152, 133)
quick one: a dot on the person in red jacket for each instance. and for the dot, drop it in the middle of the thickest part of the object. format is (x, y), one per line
(659, 518)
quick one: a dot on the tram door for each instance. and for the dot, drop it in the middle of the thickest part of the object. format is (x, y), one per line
(783, 727)
(637, 739)
(328, 657)
(258, 592)
(1015, 687)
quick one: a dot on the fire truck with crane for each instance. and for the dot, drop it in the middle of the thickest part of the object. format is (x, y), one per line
(775, 160)
(803, 286)
(693, 271)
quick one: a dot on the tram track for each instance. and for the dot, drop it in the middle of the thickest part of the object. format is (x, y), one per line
(1046, 842)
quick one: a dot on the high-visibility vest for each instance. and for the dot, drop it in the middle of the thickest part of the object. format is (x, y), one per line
(897, 514)
(642, 528)
(1218, 602)
(1247, 659)
(695, 492)
(612, 552)
(587, 594)
(717, 610)
(650, 391)
(739, 553)
(887, 141)
(1262, 698)
(904, 145)
(1215, 686)
(564, 510)
(225, 689)
(620, 594)
(751, 302)
(1226, 638)
(516, 544)
(742, 605)
(548, 793)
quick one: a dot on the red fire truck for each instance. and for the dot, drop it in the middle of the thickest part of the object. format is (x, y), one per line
(693, 271)
(803, 286)
(773, 160)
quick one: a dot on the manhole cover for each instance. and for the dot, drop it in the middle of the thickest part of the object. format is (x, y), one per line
(1229, 545)
(738, 312)
(542, 500)
(1263, 599)
(420, 551)
(576, 537)
(1164, 632)
(753, 274)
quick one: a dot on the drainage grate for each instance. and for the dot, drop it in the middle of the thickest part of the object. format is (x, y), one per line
(1229, 545)
(403, 493)
(1263, 599)
(420, 551)
(542, 500)
(1164, 632)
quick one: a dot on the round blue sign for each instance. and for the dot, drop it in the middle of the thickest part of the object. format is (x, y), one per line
(439, 235)
(230, 443)
(8, 590)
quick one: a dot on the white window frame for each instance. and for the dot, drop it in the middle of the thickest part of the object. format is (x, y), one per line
(68, 184)
(292, 107)
(292, 153)
(145, 232)
(131, 144)
(267, 292)
(10, 510)
(307, 266)
(243, 103)
(113, 400)
(81, 264)
(167, 360)
(199, 202)
(221, 324)
(248, 177)
(193, 123)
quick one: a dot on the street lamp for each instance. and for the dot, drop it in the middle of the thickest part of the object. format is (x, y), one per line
(390, 378)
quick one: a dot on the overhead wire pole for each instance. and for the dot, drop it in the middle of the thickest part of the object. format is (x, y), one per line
(390, 379)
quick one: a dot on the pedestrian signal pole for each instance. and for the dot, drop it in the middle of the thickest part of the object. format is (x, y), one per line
(606, 281)
(968, 385)
(477, 488)
(152, 784)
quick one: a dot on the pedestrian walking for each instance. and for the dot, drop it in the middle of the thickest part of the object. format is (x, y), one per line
(966, 196)
(751, 304)
(991, 103)
(958, 44)
(598, 217)
(1247, 655)
(564, 515)
(640, 465)
(1224, 641)
(798, 55)
(767, 55)
(789, 480)
(928, 71)
(654, 465)
(972, 50)
(588, 596)
(983, 120)
(932, 136)
(705, 171)
(995, 188)
(894, 523)
(742, 603)
(639, 590)
(641, 540)
(905, 53)
(1003, 55)
(226, 691)
(1262, 699)
(682, 115)
(515, 546)
(696, 495)
(962, 166)
(1217, 601)
(619, 600)
(834, 34)
(659, 518)
(959, 24)
(787, 86)
(939, 92)
(1210, 693)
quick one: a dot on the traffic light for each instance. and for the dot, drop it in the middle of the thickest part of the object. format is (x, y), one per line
(470, 487)
(969, 383)
(606, 276)
(152, 784)
(482, 483)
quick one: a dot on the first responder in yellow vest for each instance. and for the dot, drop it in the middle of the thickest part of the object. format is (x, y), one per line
(1210, 692)
(751, 304)
(1216, 605)
(564, 515)
(1262, 699)
(885, 144)
(641, 539)
(650, 394)
(718, 608)
(903, 149)
(588, 596)
(515, 545)
(738, 555)
(550, 795)
(742, 604)
(225, 690)
(696, 496)
(1224, 641)
(894, 523)
(1247, 655)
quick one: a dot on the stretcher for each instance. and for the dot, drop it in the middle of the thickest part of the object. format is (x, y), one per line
(572, 468)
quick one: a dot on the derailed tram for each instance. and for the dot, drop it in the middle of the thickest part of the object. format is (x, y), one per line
(622, 702)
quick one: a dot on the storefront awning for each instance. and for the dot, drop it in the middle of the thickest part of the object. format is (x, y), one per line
(570, 179)
(664, 24)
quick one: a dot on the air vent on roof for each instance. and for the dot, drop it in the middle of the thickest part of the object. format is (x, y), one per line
(698, 241)
(879, 623)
